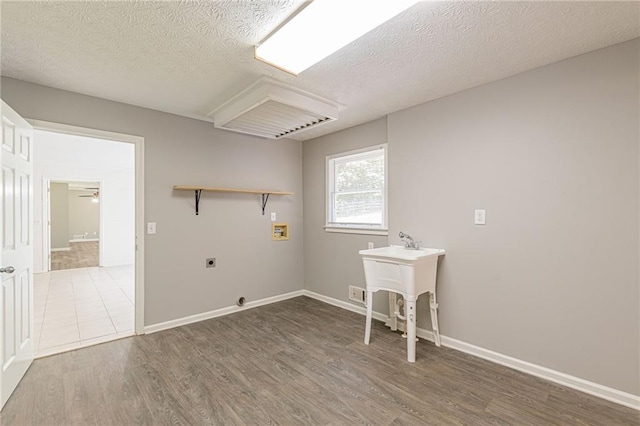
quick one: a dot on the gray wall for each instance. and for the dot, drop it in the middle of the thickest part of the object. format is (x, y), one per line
(59, 211)
(553, 157)
(331, 260)
(230, 227)
(552, 154)
(84, 215)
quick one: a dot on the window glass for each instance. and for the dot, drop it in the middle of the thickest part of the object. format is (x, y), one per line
(356, 189)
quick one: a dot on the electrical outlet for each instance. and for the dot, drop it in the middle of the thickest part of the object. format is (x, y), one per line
(273, 216)
(211, 262)
(357, 294)
(369, 245)
(151, 228)
(480, 217)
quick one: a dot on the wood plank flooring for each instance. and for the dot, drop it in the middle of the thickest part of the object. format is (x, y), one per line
(295, 362)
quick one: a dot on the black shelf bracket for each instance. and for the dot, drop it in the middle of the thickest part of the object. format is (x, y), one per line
(265, 198)
(198, 193)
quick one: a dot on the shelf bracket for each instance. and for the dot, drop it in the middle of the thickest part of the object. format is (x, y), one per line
(198, 193)
(265, 198)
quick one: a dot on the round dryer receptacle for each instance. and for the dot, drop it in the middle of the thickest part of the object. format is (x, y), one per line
(240, 301)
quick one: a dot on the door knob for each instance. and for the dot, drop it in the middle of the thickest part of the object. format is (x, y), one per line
(7, 270)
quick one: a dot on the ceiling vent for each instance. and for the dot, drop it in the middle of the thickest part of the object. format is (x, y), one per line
(273, 110)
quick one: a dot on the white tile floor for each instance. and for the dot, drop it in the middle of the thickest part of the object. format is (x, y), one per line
(78, 307)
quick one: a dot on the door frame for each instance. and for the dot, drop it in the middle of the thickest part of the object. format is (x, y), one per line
(46, 218)
(138, 142)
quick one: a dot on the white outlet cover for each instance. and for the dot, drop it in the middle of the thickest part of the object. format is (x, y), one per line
(273, 216)
(480, 217)
(357, 294)
(151, 228)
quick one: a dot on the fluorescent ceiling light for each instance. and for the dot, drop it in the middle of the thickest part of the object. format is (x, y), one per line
(323, 27)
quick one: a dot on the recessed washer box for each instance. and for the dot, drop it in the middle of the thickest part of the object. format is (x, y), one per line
(280, 231)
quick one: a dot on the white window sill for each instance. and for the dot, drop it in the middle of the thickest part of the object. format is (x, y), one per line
(361, 231)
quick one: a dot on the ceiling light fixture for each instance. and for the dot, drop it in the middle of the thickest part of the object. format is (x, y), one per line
(95, 197)
(322, 28)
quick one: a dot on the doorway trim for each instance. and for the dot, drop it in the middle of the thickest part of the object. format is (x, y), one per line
(138, 142)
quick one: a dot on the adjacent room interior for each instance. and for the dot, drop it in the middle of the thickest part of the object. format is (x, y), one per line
(74, 213)
(256, 237)
(84, 281)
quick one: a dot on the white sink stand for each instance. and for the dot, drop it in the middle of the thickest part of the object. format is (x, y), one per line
(409, 273)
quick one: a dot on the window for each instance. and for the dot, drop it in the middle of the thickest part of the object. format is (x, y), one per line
(357, 191)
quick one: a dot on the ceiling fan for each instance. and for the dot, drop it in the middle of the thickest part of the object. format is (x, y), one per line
(95, 197)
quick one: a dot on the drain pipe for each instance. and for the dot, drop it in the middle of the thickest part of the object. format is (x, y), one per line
(399, 305)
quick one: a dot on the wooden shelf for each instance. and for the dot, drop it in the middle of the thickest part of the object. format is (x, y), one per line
(198, 191)
(244, 191)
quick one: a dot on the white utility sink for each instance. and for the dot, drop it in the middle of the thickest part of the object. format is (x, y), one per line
(400, 252)
(410, 272)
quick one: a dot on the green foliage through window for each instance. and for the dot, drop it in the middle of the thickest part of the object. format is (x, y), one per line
(356, 185)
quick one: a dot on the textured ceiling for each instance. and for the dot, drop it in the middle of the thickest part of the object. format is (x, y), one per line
(189, 57)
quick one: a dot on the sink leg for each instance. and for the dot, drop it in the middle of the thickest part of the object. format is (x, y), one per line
(434, 318)
(411, 329)
(393, 321)
(367, 327)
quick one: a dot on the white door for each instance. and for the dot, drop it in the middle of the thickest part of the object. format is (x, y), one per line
(16, 252)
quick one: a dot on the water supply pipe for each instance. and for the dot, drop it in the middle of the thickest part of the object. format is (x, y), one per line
(399, 305)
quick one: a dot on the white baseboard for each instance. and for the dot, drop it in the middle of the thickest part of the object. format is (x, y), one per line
(220, 312)
(344, 305)
(116, 262)
(595, 389)
(84, 240)
(61, 249)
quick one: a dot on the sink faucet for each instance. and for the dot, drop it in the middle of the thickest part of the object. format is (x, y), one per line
(408, 241)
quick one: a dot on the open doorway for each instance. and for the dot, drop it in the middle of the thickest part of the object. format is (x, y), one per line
(74, 225)
(84, 240)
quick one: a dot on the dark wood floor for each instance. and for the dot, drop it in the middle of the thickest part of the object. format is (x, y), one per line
(295, 362)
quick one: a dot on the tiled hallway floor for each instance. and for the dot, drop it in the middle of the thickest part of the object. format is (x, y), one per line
(79, 307)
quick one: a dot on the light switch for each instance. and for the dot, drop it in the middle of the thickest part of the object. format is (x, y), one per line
(480, 217)
(273, 216)
(151, 228)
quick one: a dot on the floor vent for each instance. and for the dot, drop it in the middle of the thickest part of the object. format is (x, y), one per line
(273, 110)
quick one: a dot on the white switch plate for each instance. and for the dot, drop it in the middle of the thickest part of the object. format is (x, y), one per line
(151, 228)
(273, 216)
(480, 217)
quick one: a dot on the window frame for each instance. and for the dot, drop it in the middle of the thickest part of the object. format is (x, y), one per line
(352, 228)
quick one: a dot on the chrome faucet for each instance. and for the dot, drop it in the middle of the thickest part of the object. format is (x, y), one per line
(408, 241)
